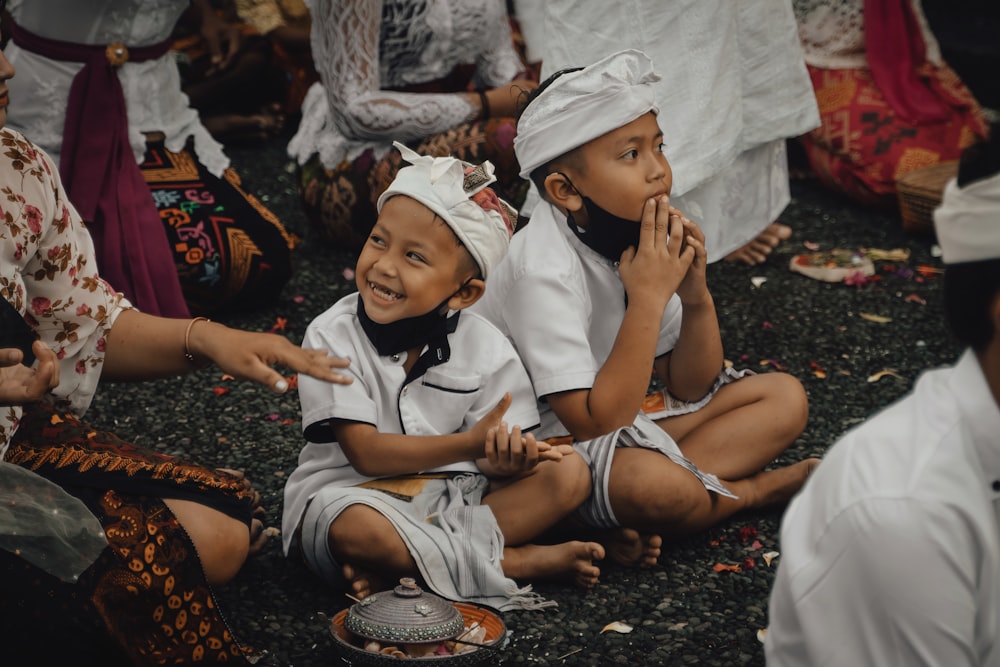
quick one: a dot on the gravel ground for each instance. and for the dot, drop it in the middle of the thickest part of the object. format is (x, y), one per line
(688, 609)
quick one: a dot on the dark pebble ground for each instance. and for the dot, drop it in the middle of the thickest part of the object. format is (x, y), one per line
(683, 611)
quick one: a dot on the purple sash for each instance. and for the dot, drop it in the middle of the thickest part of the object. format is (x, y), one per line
(102, 178)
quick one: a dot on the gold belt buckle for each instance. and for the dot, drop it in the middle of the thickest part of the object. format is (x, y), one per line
(116, 53)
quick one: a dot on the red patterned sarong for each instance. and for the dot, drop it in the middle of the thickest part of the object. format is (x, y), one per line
(863, 145)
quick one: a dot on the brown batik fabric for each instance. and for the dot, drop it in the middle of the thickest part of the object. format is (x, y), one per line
(148, 588)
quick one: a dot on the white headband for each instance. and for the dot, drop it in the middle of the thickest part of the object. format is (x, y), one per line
(968, 221)
(581, 106)
(458, 193)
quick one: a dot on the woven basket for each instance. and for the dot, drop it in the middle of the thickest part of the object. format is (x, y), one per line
(919, 192)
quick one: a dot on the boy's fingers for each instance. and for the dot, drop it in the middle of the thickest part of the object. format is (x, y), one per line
(663, 222)
(647, 226)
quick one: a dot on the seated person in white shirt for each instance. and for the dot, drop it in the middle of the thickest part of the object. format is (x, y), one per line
(423, 468)
(607, 284)
(890, 555)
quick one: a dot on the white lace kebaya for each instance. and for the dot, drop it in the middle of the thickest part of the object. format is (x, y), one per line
(365, 48)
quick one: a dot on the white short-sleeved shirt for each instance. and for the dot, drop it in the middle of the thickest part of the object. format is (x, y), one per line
(890, 555)
(448, 398)
(562, 304)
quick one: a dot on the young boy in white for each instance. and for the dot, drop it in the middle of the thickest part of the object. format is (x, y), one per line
(605, 284)
(412, 470)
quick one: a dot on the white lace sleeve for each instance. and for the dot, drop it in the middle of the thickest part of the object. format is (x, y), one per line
(499, 63)
(347, 44)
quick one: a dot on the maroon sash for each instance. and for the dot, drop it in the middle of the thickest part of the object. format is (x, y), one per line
(102, 178)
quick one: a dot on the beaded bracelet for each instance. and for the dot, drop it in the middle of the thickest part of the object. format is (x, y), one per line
(187, 338)
(484, 102)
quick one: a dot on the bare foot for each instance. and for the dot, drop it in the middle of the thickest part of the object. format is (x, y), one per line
(776, 487)
(756, 251)
(258, 534)
(573, 560)
(630, 547)
(361, 584)
(245, 129)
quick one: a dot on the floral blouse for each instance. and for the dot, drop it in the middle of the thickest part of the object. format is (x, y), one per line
(48, 272)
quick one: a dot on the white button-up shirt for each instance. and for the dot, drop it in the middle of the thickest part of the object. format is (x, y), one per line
(448, 398)
(562, 304)
(890, 554)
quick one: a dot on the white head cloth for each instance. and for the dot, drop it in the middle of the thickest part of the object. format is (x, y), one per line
(581, 106)
(968, 221)
(458, 193)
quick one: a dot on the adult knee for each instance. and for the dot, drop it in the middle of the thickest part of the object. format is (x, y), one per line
(222, 542)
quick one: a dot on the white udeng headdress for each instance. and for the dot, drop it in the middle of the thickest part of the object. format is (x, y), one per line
(581, 106)
(458, 193)
(968, 221)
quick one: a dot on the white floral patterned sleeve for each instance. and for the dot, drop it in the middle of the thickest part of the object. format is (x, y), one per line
(49, 273)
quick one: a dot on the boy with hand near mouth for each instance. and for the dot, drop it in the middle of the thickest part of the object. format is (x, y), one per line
(607, 283)
(413, 471)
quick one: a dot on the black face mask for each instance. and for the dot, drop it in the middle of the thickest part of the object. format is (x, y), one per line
(608, 234)
(395, 337)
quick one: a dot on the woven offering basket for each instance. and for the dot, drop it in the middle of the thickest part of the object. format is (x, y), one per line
(919, 192)
(489, 653)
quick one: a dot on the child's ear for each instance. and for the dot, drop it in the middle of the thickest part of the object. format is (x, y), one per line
(562, 193)
(468, 294)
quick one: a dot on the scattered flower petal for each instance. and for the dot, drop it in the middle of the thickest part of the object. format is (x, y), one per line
(761, 635)
(817, 370)
(936, 250)
(348, 274)
(811, 245)
(767, 325)
(722, 567)
(757, 281)
(872, 317)
(280, 324)
(749, 563)
(881, 374)
(773, 362)
(271, 531)
(925, 270)
(756, 545)
(857, 279)
(894, 255)
(768, 556)
(617, 626)
(915, 298)
(298, 298)
(273, 417)
(748, 533)
(220, 391)
(227, 376)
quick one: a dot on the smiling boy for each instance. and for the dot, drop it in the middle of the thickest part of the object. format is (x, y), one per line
(413, 471)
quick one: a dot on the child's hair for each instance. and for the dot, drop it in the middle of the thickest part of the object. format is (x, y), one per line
(970, 287)
(538, 175)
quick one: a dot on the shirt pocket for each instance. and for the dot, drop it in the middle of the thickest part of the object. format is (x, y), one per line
(439, 403)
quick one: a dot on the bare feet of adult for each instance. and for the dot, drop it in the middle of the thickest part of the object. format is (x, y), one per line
(361, 584)
(756, 251)
(630, 547)
(568, 560)
(246, 129)
(258, 534)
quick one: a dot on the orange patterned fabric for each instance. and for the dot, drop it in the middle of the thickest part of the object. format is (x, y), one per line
(862, 146)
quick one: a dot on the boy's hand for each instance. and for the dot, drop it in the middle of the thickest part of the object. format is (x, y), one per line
(694, 288)
(510, 453)
(652, 272)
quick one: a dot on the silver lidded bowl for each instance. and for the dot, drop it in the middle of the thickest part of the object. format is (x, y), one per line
(407, 614)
